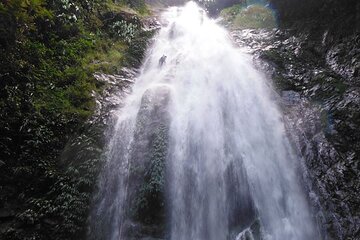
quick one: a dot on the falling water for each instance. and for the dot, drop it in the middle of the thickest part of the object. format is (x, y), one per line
(230, 172)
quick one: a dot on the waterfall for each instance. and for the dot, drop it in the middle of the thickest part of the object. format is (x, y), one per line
(199, 147)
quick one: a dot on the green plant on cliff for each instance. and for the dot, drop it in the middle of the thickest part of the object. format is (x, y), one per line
(253, 16)
(49, 51)
(149, 204)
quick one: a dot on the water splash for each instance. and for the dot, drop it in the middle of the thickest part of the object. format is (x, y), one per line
(230, 171)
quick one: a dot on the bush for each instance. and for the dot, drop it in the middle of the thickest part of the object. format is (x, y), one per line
(49, 51)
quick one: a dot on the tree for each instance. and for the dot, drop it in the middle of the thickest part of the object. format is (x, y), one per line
(215, 6)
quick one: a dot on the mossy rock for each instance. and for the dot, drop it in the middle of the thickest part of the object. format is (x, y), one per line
(150, 201)
(275, 57)
(253, 16)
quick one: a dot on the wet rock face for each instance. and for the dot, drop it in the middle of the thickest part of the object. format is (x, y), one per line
(341, 12)
(91, 141)
(146, 190)
(322, 119)
(242, 213)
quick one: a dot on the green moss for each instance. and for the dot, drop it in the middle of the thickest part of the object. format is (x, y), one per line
(274, 56)
(46, 96)
(253, 16)
(283, 84)
(137, 7)
(106, 56)
(231, 12)
(328, 87)
(149, 204)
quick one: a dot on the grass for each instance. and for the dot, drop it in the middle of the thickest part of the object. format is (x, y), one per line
(107, 56)
(253, 16)
(142, 10)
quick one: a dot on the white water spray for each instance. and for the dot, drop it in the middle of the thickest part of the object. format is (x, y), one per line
(231, 173)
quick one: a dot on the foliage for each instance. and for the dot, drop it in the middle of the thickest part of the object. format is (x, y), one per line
(134, 3)
(252, 16)
(149, 204)
(49, 51)
(124, 30)
(215, 6)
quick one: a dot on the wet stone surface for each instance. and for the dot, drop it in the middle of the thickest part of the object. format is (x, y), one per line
(317, 80)
(110, 99)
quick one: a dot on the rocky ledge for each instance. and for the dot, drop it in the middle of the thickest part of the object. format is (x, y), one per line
(317, 80)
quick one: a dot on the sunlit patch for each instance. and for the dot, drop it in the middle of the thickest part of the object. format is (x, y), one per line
(252, 16)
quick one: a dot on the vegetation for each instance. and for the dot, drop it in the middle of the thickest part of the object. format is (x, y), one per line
(215, 6)
(242, 16)
(49, 51)
(149, 206)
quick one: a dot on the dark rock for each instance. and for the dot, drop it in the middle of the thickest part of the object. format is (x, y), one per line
(6, 213)
(148, 154)
(323, 121)
(290, 97)
(50, 222)
(242, 212)
(4, 227)
(134, 231)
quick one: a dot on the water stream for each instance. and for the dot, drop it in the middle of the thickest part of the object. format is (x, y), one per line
(202, 128)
